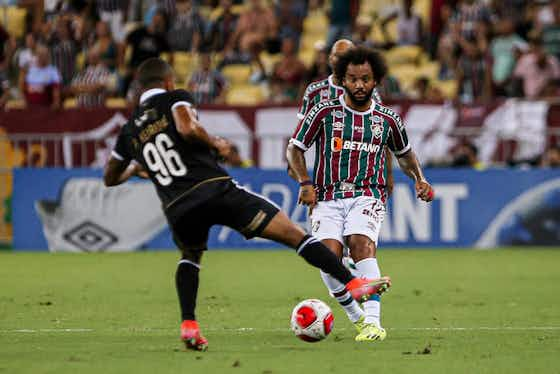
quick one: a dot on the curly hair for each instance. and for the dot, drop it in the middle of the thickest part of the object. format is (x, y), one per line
(359, 56)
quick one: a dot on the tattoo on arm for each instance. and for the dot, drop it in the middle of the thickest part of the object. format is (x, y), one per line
(410, 166)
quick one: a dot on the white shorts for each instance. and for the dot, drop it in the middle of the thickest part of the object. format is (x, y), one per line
(336, 219)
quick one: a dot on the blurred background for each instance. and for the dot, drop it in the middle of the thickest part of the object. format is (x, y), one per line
(476, 81)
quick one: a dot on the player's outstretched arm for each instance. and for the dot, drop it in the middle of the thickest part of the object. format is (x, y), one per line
(298, 170)
(410, 166)
(117, 171)
(189, 127)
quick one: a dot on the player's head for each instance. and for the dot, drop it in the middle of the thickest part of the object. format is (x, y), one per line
(338, 49)
(154, 72)
(359, 70)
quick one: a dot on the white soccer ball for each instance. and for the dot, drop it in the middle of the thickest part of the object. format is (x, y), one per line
(312, 320)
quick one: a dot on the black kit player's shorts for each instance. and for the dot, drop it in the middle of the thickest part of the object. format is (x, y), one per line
(230, 205)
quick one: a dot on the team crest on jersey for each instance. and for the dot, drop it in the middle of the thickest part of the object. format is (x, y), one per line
(377, 130)
(338, 125)
(376, 119)
(338, 114)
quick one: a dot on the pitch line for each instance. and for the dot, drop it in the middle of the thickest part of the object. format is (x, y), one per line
(254, 329)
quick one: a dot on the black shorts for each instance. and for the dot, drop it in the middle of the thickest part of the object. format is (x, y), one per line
(233, 206)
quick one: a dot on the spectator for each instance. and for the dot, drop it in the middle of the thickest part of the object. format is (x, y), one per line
(551, 157)
(223, 27)
(288, 73)
(92, 84)
(104, 45)
(146, 42)
(409, 25)
(41, 83)
(256, 27)
(7, 47)
(362, 36)
(504, 49)
(320, 68)
(290, 15)
(114, 13)
(550, 33)
(466, 155)
(4, 89)
(423, 90)
(468, 15)
(26, 55)
(187, 28)
(390, 88)
(340, 20)
(63, 50)
(538, 72)
(206, 84)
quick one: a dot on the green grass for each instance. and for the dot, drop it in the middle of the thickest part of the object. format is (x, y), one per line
(508, 301)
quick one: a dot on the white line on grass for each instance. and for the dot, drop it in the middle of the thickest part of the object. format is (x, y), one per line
(254, 329)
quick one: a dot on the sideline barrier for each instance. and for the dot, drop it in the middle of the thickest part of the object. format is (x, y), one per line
(71, 210)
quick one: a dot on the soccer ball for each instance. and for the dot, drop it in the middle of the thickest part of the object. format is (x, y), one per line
(312, 320)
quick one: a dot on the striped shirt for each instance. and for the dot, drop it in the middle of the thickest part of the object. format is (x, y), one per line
(322, 90)
(350, 157)
(63, 53)
(206, 86)
(92, 75)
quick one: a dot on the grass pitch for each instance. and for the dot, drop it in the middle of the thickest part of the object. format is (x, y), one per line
(448, 312)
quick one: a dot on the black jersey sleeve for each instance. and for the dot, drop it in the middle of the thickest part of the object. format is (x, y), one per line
(181, 96)
(122, 148)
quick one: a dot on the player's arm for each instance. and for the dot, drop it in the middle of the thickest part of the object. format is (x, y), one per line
(398, 143)
(190, 128)
(117, 171)
(410, 166)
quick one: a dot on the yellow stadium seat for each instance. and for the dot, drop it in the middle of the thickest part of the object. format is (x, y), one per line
(70, 103)
(237, 73)
(429, 70)
(448, 88)
(307, 56)
(406, 75)
(13, 18)
(315, 23)
(404, 55)
(15, 104)
(244, 95)
(116, 102)
(184, 64)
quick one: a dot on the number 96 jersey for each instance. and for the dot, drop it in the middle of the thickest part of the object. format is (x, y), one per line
(177, 166)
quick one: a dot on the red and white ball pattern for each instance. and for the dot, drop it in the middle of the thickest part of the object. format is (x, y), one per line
(312, 320)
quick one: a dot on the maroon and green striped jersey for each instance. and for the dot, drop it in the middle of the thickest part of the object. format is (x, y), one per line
(350, 157)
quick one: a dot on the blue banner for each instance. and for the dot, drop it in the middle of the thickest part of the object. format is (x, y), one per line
(59, 207)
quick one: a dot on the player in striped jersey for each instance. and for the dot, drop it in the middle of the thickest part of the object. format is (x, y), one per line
(328, 89)
(348, 191)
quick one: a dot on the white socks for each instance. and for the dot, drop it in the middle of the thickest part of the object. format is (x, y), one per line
(350, 306)
(368, 268)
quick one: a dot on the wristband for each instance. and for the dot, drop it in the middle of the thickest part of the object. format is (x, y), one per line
(306, 183)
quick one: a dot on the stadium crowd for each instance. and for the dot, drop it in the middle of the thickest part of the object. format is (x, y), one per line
(67, 53)
(267, 51)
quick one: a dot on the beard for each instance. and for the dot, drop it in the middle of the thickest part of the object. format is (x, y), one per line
(360, 101)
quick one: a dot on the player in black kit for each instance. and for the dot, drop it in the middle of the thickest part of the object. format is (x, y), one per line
(164, 141)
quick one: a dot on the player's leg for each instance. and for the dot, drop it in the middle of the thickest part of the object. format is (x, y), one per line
(327, 225)
(362, 230)
(191, 239)
(253, 215)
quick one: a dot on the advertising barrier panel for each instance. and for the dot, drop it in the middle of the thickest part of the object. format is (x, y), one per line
(71, 210)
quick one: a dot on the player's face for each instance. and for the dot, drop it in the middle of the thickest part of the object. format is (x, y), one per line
(359, 83)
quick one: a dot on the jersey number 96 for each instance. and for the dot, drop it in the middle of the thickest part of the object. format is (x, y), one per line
(163, 160)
